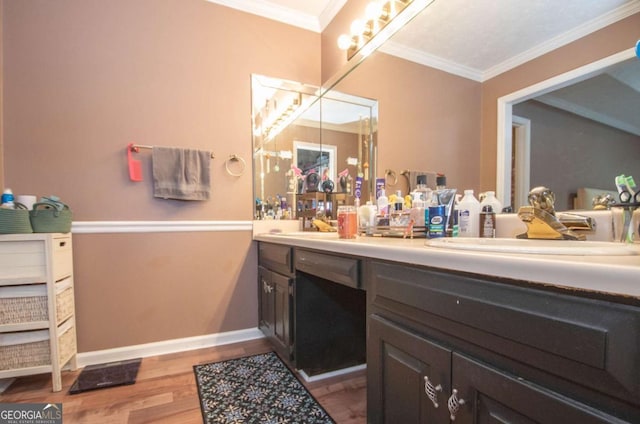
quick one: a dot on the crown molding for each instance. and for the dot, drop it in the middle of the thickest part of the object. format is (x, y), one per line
(563, 39)
(284, 14)
(422, 58)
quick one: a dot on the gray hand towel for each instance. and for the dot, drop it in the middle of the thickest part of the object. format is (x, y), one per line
(181, 173)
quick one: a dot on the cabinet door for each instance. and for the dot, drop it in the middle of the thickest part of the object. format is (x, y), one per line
(399, 363)
(266, 297)
(282, 311)
(491, 396)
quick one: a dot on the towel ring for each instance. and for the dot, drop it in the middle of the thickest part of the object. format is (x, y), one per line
(390, 173)
(235, 158)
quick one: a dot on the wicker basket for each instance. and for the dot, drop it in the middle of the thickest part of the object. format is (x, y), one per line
(64, 305)
(50, 218)
(67, 345)
(15, 221)
(24, 355)
(23, 304)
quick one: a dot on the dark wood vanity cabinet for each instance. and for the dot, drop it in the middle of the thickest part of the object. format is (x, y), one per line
(312, 307)
(511, 353)
(275, 294)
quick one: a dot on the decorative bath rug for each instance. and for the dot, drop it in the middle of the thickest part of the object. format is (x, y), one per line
(255, 389)
(111, 374)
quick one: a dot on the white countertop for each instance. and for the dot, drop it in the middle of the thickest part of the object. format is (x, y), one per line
(618, 275)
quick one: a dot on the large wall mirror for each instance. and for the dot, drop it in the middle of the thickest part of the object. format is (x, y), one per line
(584, 122)
(433, 115)
(310, 149)
(432, 110)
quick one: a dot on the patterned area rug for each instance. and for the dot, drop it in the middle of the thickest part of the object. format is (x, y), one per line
(255, 389)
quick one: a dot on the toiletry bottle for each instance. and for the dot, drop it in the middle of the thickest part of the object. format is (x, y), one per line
(421, 187)
(441, 182)
(398, 206)
(491, 199)
(435, 217)
(468, 215)
(417, 210)
(487, 222)
(383, 203)
(7, 199)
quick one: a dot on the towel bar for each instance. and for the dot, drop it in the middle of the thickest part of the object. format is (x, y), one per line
(136, 148)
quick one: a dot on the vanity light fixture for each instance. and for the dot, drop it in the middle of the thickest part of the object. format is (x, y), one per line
(382, 19)
(279, 120)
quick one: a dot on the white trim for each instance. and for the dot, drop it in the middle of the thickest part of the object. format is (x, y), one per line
(563, 39)
(330, 12)
(522, 159)
(98, 227)
(323, 376)
(275, 12)
(396, 49)
(505, 106)
(167, 346)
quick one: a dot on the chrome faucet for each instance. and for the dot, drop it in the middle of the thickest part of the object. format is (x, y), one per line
(544, 223)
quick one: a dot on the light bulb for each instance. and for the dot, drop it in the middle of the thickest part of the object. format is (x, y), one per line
(373, 10)
(344, 42)
(357, 26)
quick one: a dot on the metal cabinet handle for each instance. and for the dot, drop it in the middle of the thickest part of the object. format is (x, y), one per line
(432, 391)
(454, 404)
(266, 287)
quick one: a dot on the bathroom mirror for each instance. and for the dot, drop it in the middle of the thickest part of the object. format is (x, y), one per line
(451, 28)
(584, 122)
(305, 143)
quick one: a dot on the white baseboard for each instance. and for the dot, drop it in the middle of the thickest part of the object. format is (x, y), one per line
(330, 374)
(167, 346)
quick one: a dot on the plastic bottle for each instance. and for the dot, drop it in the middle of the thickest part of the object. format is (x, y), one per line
(417, 210)
(383, 204)
(468, 215)
(7, 199)
(487, 222)
(491, 199)
(422, 189)
(399, 201)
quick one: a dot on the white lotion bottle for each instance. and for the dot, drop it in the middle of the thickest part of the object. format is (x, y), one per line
(469, 215)
(491, 200)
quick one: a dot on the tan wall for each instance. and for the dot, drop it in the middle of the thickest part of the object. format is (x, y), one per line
(562, 140)
(429, 119)
(82, 79)
(612, 39)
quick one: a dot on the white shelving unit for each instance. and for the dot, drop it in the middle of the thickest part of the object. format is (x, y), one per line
(37, 312)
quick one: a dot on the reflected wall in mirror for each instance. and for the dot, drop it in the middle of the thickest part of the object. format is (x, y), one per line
(305, 144)
(584, 123)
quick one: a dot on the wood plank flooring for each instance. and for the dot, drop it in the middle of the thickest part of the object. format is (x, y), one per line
(165, 391)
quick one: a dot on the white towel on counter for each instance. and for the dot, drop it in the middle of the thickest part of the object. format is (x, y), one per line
(181, 174)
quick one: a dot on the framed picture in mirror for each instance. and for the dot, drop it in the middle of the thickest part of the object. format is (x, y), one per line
(316, 162)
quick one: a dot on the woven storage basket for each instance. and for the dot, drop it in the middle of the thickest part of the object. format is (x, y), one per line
(24, 355)
(67, 345)
(15, 221)
(20, 310)
(50, 218)
(64, 305)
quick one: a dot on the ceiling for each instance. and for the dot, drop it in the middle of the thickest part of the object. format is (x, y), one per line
(476, 39)
(479, 39)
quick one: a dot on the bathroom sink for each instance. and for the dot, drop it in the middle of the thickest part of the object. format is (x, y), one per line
(537, 247)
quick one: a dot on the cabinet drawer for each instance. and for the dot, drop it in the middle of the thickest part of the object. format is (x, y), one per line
(23, 259)
(584, 340)
(24, 349)
(62, 257)
(276, 257)
(336, 269)
(24, 304)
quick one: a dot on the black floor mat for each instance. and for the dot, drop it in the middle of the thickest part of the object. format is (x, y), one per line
(101, 376)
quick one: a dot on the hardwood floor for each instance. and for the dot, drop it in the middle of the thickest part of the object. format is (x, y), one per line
(165, 391)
